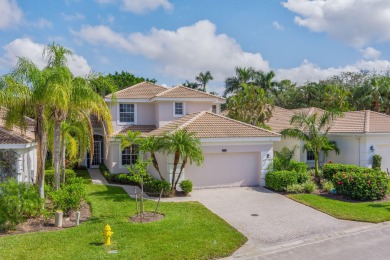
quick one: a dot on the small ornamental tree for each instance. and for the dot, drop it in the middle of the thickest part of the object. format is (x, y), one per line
(377, 162)
(139, 174)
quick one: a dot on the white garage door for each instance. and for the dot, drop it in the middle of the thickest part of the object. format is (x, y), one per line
(226, 169)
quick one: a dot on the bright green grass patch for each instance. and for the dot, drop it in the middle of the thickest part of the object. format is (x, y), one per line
(188, 231)
(374, 212)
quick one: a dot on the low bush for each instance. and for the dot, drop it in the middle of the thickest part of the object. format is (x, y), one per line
(155, 186)
(186, 186)
(361, 185)
(106, 174)
(377, 162)
(18, 202)
(309, 187)
(330, 169)
(122, 178)
(299, 167)
(327, 186)
(295, 188)
(279, 180)
(303, 177)
(69, 197)
(49, 176)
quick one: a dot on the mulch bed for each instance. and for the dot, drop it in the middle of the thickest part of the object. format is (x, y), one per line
(40, 224)
(146, 218)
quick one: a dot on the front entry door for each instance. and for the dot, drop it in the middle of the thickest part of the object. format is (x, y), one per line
(97, 156)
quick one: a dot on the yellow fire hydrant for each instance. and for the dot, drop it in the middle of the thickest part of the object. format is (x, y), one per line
(107, 233)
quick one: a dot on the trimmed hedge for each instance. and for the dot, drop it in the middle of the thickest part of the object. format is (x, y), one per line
(106, 174)
(361, 185)
(279, 180)
(330, 169)
(377, 162)
(49, 176)
(186, 186)
(155, 186)
(299, 167)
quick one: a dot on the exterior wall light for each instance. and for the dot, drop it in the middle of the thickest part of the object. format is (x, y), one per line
(372, 148)
(224, 150)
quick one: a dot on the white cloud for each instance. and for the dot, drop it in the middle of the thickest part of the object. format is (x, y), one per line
(144, 6)
(308, 71)
(41, 23)
(25, 47)
(73, 17)
(11, 14)
(357, 22)
(278, 26)
(182, 53)
(370, 53)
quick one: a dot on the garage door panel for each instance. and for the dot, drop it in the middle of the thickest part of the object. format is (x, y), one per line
(225, 169)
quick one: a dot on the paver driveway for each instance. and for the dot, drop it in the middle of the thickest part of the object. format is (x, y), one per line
(268, 219)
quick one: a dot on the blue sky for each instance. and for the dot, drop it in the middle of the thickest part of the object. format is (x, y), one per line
(173, 40)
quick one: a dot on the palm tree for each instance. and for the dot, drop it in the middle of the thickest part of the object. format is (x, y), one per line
(153, 144)
(243, 76)
(265, 80)
(313, 130)
(193, 85)
(185, 145)
(374, 94)
(204, 78)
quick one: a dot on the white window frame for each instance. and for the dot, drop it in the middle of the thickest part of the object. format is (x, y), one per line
(119, 117)
(121, 161)
(174, 110)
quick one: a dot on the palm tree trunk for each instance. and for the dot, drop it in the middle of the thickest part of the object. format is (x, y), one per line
(63, 150)
(175, 163)
(41, 151)
(316, 164)
(183, 165)
(56, 156)
(155, 164)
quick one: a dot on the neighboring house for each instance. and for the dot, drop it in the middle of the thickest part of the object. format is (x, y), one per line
(236, 154)
(359, 135)
(20, 149)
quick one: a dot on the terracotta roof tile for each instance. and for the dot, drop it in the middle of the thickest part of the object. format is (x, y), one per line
(140, 128)
(209, 125)
(184, 92)
(143, 90)
(280, 119)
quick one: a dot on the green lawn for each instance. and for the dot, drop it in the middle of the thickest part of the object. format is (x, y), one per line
(188, 231)
(374, 212)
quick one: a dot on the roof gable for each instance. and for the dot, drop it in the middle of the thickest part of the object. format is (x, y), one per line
(184, 92)
(143, 90)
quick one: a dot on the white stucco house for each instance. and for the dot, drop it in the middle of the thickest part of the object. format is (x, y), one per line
(236, 154)
(20, 143)
(359, 135)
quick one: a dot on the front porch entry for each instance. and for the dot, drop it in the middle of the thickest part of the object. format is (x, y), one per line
(98, 152)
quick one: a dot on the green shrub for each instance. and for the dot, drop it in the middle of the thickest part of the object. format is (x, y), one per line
(303, 177)
(186, 186)
(361, 185)
(327, 186)
(49, 176)
(155, 186)
(309, 187)
(299, 167)
(18, 201)
(106, 174)
(49, 165)
(377, 162)
(279, 180)
(69, 197)
(295, 188)
(331, 169)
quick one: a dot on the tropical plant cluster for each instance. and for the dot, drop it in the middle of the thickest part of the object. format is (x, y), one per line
(18, 202)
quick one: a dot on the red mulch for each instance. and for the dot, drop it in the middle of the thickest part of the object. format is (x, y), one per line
(40, 224)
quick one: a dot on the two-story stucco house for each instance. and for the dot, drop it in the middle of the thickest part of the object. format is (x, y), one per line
(236, 154)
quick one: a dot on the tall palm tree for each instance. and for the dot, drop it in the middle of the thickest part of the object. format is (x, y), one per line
(243, 76)
(374, 94)
(313, 130)
(265, 80)
(185, 145)
(193, 85)
(204, 78)
(153, 144)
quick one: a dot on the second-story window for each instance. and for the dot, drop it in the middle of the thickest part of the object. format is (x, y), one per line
(214, 109)
(126, 113)
(178, 109)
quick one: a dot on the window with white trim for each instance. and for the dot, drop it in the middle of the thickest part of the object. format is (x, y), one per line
(126, 113)
(309, 156)
(214, 109)
(130, 155)
(179, 109)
